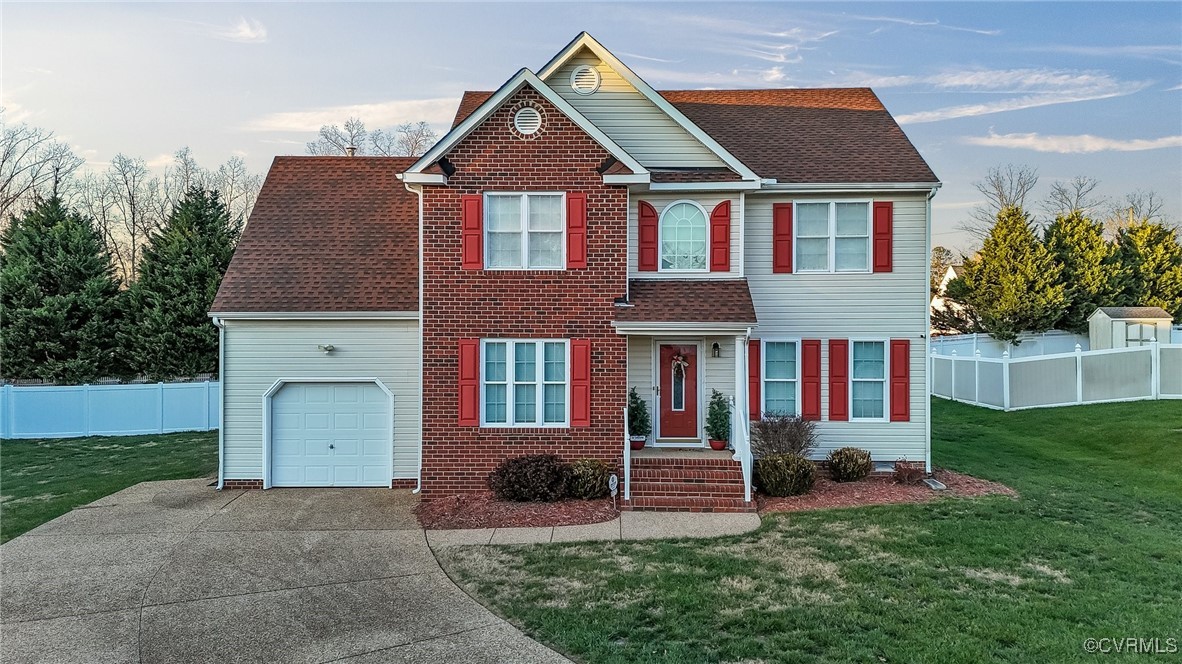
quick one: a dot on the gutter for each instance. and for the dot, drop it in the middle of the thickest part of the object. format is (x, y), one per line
(221, 400)
(927, 337)
(417, 190)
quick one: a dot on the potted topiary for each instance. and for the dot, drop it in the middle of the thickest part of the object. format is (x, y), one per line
(718, 420)
(639, 423)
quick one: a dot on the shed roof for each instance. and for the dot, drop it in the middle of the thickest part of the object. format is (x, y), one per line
(1134, 312)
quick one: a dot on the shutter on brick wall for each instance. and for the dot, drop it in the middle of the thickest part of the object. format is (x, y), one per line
(900, 380)
(810, 379)
(754, 384)
(576, 230)
(580, 383)
(720, 238)
(884, 213)
(839, 380)
(646, 236)
(471, 232)
(782, 238)
(469, 378)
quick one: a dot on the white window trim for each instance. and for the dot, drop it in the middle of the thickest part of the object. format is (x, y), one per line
(524, 195)
(763, 373)
(661, 238)
(886, 380)
(540, 382)
(832, 237)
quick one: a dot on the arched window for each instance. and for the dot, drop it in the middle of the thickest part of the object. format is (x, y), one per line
(683, 236)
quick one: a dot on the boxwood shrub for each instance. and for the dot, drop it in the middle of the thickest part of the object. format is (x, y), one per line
(531, 478)
(849, 464)
(589, 479)
(785, 474)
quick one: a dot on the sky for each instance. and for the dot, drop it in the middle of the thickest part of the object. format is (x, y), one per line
(1066, 88)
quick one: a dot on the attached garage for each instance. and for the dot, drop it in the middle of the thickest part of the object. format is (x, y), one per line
(330, 434)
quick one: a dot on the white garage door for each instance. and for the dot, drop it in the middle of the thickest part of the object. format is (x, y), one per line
(330, 434)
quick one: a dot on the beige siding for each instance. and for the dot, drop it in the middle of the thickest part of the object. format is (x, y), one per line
(258, 353)
(660, 201)
(880, 306)
(631, 120)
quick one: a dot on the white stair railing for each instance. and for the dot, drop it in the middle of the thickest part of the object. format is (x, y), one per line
(627, 459)
(741, 442)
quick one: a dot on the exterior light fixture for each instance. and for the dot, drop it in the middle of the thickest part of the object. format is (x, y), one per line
(715, 350)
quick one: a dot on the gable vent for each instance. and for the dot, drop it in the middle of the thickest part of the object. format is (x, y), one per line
(527, 120)
(585, 79)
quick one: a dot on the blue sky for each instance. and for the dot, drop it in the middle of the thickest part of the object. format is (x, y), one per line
(1067, 88)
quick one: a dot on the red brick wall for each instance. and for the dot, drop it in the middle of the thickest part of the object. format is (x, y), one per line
(572, 304)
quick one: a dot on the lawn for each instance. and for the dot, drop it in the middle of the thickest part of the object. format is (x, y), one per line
(41, 479)
(1092, 548)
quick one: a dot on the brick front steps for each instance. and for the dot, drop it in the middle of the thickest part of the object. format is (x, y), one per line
(697, 482)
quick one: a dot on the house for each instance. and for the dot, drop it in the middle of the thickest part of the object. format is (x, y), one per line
(940, 302)
(413, 322)
(1122, 327)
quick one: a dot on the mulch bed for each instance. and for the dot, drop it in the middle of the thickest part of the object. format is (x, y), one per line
(481, 510)
(881, 490)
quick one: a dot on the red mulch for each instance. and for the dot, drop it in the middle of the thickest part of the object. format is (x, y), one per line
(881, 490)
(481, 510)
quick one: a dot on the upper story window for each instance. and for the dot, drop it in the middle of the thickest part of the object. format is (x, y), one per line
(833, 237)
(524, 231)
(683, 237)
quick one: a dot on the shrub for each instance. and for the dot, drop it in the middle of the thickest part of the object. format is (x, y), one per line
(909, 472)
(531, 478)
(589, 479)
(785, 474)
(776, 433)
(849, 464)
(639, 422)
(718, 417)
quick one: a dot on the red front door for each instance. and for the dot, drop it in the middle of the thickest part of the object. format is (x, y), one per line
(679, 391)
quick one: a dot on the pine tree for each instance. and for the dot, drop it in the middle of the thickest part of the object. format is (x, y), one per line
(1090, 271)
(182, 267)
(1151, 261)
(59, 297)
(1013, 285)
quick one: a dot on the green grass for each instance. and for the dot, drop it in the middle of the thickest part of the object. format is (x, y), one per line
(1092, 548)
(41, 479)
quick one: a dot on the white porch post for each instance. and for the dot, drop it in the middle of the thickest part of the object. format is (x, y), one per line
(741, 396)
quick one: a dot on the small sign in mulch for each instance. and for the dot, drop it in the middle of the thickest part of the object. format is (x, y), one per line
(481, 510)
(882, 490)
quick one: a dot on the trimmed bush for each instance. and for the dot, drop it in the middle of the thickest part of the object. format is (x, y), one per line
(849, 464)
(909, 472)
(589, 479)
(785, 474)
(776, 433)
(531, 478)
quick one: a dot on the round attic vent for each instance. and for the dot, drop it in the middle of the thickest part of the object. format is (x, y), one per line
(585, 79)
(527, 121)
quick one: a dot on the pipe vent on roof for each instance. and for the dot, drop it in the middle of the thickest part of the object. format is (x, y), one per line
(585, 79)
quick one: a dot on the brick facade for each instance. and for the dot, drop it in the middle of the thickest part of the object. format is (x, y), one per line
(569, 304)
(242, 484)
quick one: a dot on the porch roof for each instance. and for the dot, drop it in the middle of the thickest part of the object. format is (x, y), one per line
(684, 304)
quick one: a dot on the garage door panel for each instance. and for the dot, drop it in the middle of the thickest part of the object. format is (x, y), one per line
(330, 435)
(346, 421)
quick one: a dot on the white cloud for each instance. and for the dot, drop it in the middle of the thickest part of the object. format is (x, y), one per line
(924, 24)
(1077, 144)
(160, 161)
(245, 31)
(736, 78)
(436, 112)
(637, 56)
(1163, 52)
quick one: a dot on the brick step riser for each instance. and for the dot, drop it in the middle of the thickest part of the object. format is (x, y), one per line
(729, 467)
(696, 478)
(688, 505)
(680, 487)
(692, 510)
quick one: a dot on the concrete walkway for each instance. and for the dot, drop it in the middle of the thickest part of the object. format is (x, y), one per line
(629, 526)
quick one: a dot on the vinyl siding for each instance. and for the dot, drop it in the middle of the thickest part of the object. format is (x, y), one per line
(719, 371)
(631, 120)
(865, 306)
(660, 201)
(258, 353)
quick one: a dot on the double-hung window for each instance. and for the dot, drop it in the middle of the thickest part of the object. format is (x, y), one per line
(868, 380)
(833, 237)
(525, 383)
(524, 231)
(780, 377)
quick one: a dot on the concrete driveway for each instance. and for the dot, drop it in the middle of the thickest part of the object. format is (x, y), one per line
(177, 572)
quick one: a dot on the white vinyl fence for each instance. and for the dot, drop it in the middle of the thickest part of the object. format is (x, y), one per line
(67, 411)
(1059, 379)
(1029, 344)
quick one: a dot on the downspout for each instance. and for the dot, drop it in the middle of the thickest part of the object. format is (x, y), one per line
(927, 349)
(221, 401)
(418, 191)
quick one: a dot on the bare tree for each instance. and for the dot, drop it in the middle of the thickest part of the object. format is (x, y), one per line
(1137, 206)
(1074, 195)
(239, 188)
(406, 140)
(32, 165)
(1003, 186)
(334, 140)
(94, 197)
(135, 195)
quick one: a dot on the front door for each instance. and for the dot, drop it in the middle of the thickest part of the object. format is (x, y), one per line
(679, 391)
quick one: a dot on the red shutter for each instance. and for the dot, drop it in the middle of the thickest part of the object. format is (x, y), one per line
(576, 230)
(884, 214)
(720, 238)
(810, 379)
(839, 380)
(646, 238)
(471, 231)
(754, 396)
(580, 383)
(782, 238)
(469, 378)
(900, 380)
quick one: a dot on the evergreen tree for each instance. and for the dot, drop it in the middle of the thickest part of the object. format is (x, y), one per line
(1013, 285)
(59, 297)
(182, 267)
(1089, 267)
(1151, 261)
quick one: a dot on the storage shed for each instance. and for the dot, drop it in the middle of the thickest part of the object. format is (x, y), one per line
(1121, 327)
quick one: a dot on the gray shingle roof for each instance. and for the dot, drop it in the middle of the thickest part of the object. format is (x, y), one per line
(1135, 312)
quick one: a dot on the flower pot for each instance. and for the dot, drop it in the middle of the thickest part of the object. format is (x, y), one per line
(717, 444)
(638, 442)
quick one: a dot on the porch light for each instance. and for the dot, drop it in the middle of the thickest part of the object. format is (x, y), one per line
(715, 350)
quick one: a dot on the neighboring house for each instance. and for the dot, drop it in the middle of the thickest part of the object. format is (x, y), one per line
(1122, 327)
(414, 322)
(939, 302)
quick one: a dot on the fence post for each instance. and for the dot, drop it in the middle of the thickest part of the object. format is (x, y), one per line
(1005, 380)
(160, 407)
(1079, 373)
(977, 377)
(1154, 368)
(86, 409)
(952, 390)
(6, 429)
(207, 416)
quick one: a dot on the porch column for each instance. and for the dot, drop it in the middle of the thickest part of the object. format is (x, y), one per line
(739, 417)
